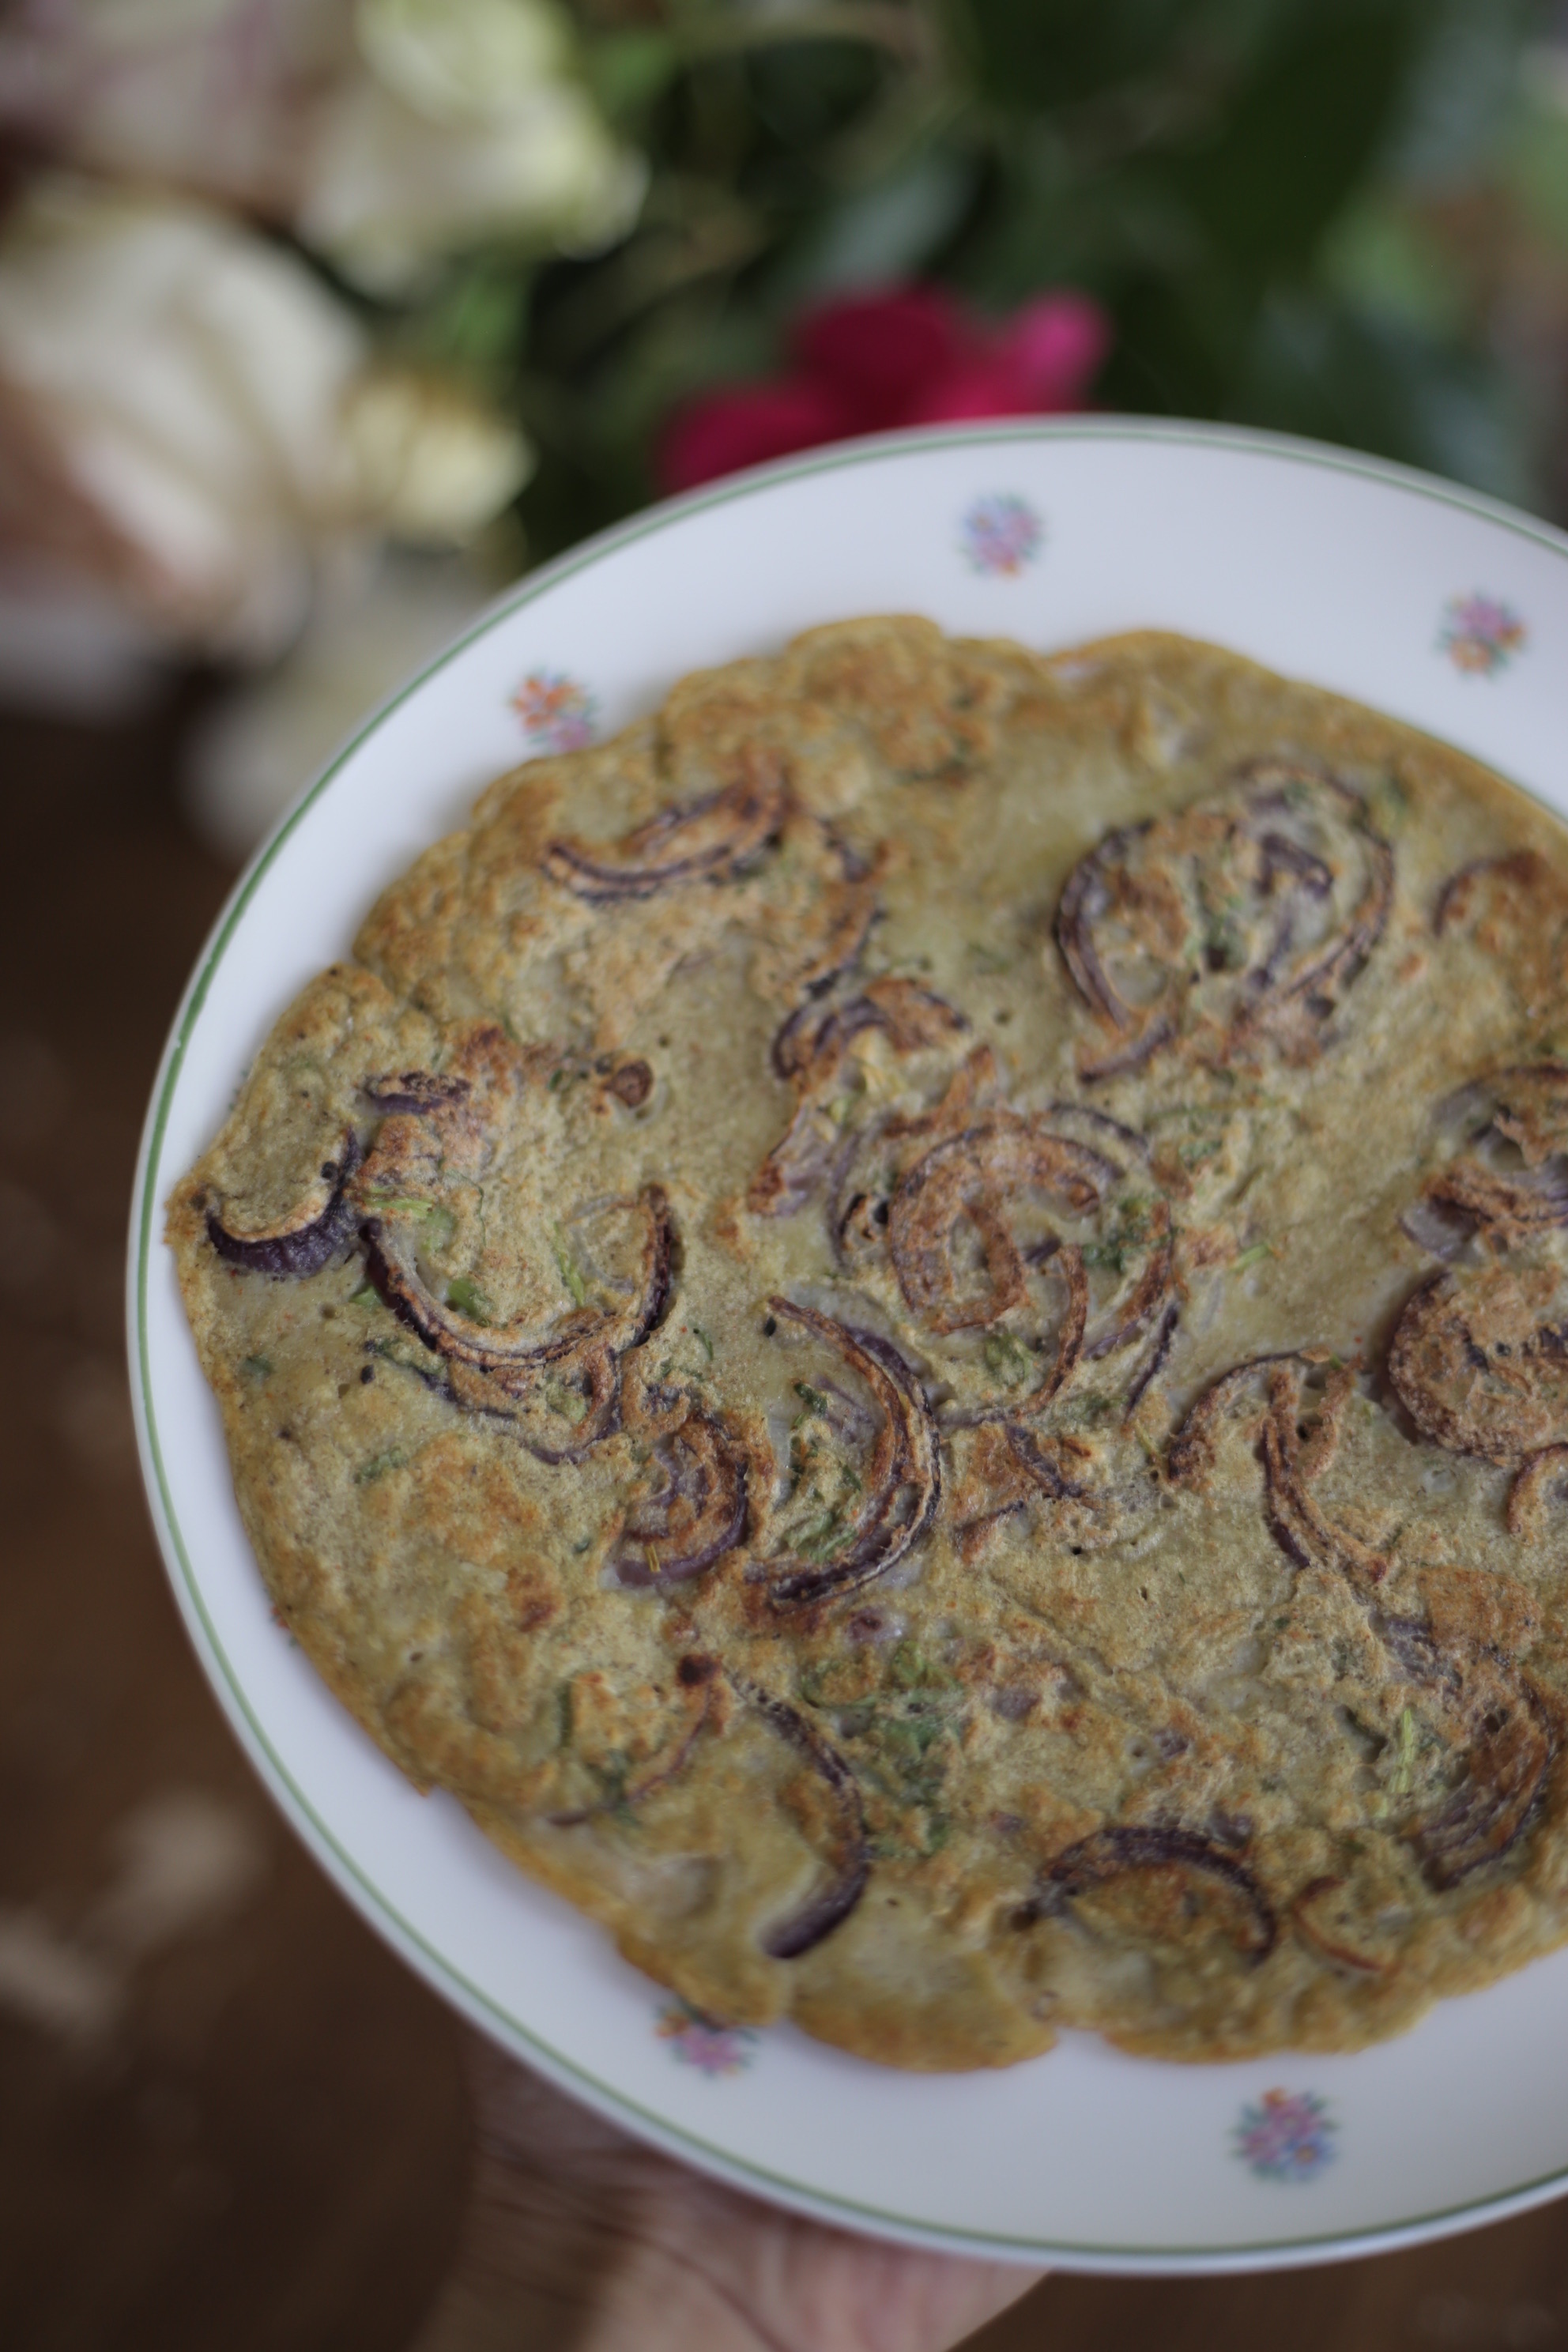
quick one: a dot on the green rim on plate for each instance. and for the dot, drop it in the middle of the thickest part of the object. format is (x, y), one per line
(382, 1913)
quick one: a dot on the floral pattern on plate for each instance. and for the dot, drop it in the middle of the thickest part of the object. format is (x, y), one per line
(1001, 534)
(1480, 634)
(557, 712)
(696, 2041)
(1286, 2136)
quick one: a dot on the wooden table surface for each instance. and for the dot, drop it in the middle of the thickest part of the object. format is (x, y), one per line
(228, 2116)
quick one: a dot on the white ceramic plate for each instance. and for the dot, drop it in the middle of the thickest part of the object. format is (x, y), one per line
(1434, 606)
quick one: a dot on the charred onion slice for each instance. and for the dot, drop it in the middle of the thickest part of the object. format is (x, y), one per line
(1299, 1525)
(1512, 1742)
(903, 1476)
(698, 1515)
(966, 1181)
(1193, 1449)
(321, 1226)
(850, 1860)
(1515, 1183)
(1259, 902)
(416, 1094)
(814, 1151)
(1479, 1361)
(1528, 1495)
(1111, 1852)
(512, 1355)
(815, 1039)
(704, 840)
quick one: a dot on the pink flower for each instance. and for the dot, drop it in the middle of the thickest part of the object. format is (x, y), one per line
(911, 356)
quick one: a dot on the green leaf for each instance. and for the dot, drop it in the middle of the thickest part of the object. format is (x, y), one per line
(1302, 129)
(627, 70)
(570, 1272)
(1028, 54)
(259, 1367)
(465, 1295)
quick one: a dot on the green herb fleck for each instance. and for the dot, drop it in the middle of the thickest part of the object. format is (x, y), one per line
(570, 1272)
(465, 1295)
(986, 958)
(700, 1335)
(259, 1367)
(1007, 1358)
(1251, 1256)
(564, 1400)
(813, 1398)
(367, 1295)
(394, 1458)
(819, 1538)
(1127, 1237)
(910, 1669)
(426, 1212)
(1406, 1740)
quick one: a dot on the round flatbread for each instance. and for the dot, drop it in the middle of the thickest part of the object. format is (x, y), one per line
(913, 1325)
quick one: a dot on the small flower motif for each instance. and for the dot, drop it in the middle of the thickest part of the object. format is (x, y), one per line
(557, 712)
(696, 2041)
(1001, 534)
(1287, 2136)
(1480, 634)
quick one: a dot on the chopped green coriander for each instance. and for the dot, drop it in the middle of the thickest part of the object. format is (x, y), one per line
(1007, 1358)
(394, 1458)
(567, 1264)
(259, 1367)
(465, 1295)
(564, 1400)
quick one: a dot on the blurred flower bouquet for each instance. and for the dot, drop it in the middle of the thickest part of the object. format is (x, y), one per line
(317, 317)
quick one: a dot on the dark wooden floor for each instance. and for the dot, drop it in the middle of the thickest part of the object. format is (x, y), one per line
(227, 2116)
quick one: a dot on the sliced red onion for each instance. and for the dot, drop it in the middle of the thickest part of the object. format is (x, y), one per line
(965, 1179)
(416, 1094)
(1501, 1397)
(1249, 821)
(1513, 1744)
(510, 1352)
(311, 1238)
(1111, 1852)
(904, 1476)
(1439, 1229)
(1154, 1359)
(1453, 901)
(850, 1863)
(699, 1515)
(703, 840)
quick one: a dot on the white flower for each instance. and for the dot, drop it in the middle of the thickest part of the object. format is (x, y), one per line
(182, 382)
(462, 61)
(466, 128)
(188, 418)
(434, 465)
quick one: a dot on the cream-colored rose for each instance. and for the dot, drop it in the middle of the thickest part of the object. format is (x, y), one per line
(387, 134)
(434, 465)
(462, 61)
(171, 391)
(187, 419)
(466, 128)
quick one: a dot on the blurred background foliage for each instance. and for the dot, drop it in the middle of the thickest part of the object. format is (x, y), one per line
(1343, 218)
(405, 294)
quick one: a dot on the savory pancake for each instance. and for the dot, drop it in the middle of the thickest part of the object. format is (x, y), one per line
(913, 1325)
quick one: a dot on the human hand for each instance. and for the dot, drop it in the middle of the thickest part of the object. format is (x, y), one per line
(581, 2240)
